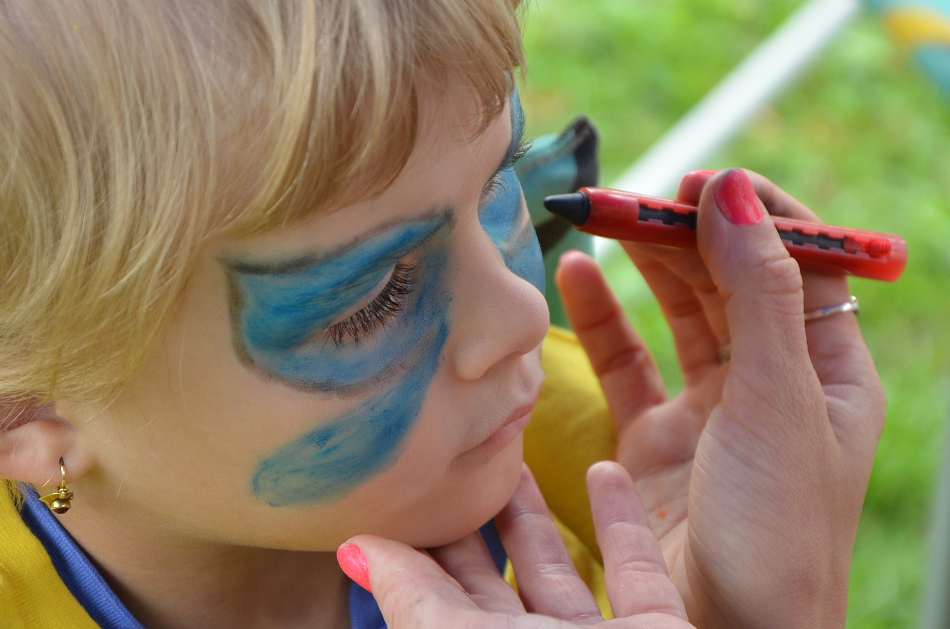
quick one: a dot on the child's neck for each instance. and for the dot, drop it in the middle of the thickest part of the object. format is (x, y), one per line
(167, 585)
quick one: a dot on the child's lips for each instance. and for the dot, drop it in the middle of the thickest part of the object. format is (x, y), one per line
(503, 434)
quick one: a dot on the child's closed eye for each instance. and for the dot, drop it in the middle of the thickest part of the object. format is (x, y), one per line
(369, 319)
(496, 181)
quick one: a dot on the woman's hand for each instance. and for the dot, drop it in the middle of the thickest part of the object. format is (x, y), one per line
(414, 591)
(755, 474)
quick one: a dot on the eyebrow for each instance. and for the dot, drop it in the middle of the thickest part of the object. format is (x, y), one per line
(442, 215)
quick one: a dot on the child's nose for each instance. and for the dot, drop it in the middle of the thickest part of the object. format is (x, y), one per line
(497, 314)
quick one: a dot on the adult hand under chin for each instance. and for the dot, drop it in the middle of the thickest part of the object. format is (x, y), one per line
(459, 586)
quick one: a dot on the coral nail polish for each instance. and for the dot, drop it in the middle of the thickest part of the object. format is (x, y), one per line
(353, 563)
(736, 199)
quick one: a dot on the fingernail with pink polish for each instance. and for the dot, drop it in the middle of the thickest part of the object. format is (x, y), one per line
(736, 199)
(704, 173)
(353, 563)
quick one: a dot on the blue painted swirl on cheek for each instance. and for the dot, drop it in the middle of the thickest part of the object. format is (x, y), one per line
(329, 462)
(504, 220)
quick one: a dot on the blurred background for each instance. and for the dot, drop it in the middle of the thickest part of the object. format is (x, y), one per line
(862, 138)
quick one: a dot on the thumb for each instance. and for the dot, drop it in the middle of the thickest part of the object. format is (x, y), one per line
(760, 282)
(410, 588)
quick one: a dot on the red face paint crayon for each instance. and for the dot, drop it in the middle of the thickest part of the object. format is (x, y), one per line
(817, 247)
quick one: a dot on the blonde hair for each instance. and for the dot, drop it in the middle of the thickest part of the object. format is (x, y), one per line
(132, 131)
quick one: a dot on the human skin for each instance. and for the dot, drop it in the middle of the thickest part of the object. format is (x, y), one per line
(165, 474)
(413, 590)
(753, 477)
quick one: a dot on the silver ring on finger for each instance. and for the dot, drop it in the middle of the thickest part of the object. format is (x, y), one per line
(849, 306)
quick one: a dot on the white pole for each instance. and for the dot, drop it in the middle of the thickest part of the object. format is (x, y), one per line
(714, 120)
(770, 68)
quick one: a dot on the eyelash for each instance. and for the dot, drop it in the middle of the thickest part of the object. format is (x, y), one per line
(495, 182)
(377, 313)
(389, 302)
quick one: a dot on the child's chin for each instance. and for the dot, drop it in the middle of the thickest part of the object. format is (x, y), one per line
(479, 500)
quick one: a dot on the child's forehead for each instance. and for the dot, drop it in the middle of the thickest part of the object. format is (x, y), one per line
(453, 123)
(454, 152)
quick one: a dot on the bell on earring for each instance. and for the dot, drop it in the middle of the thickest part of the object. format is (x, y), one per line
(58, 502)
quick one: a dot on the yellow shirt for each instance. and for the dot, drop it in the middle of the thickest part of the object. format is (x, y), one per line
(570, 430)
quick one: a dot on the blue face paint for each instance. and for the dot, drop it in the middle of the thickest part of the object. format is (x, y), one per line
(508, 227)
(502, 216)
(329, 462)
(279, 312)
(276, 313)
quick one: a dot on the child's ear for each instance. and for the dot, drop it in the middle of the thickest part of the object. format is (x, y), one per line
(32, 441)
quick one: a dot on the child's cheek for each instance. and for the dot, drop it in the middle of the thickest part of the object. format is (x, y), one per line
(329, 462)
(505, 222)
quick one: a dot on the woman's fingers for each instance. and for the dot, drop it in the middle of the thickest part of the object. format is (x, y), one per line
(692, 184)
(469, 561)
(838, 352)
(634, 567)
(820, 289)
(628, 375)
(690, 302)
(759, 280)
(547, 580)
(412, 590)
(762, 287)
(686, 293)
(410, 587)
(622, 362)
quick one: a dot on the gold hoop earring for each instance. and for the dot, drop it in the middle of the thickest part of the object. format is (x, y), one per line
(59, 501)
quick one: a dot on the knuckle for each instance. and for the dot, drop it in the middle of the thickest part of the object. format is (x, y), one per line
(684, 309)
(780, 274)
(556, 571)
(623, 358)
(775, 283)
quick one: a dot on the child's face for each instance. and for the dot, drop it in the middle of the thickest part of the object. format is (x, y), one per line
(369, 370)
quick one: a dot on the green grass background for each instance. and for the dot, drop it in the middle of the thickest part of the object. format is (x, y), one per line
(862, 138)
